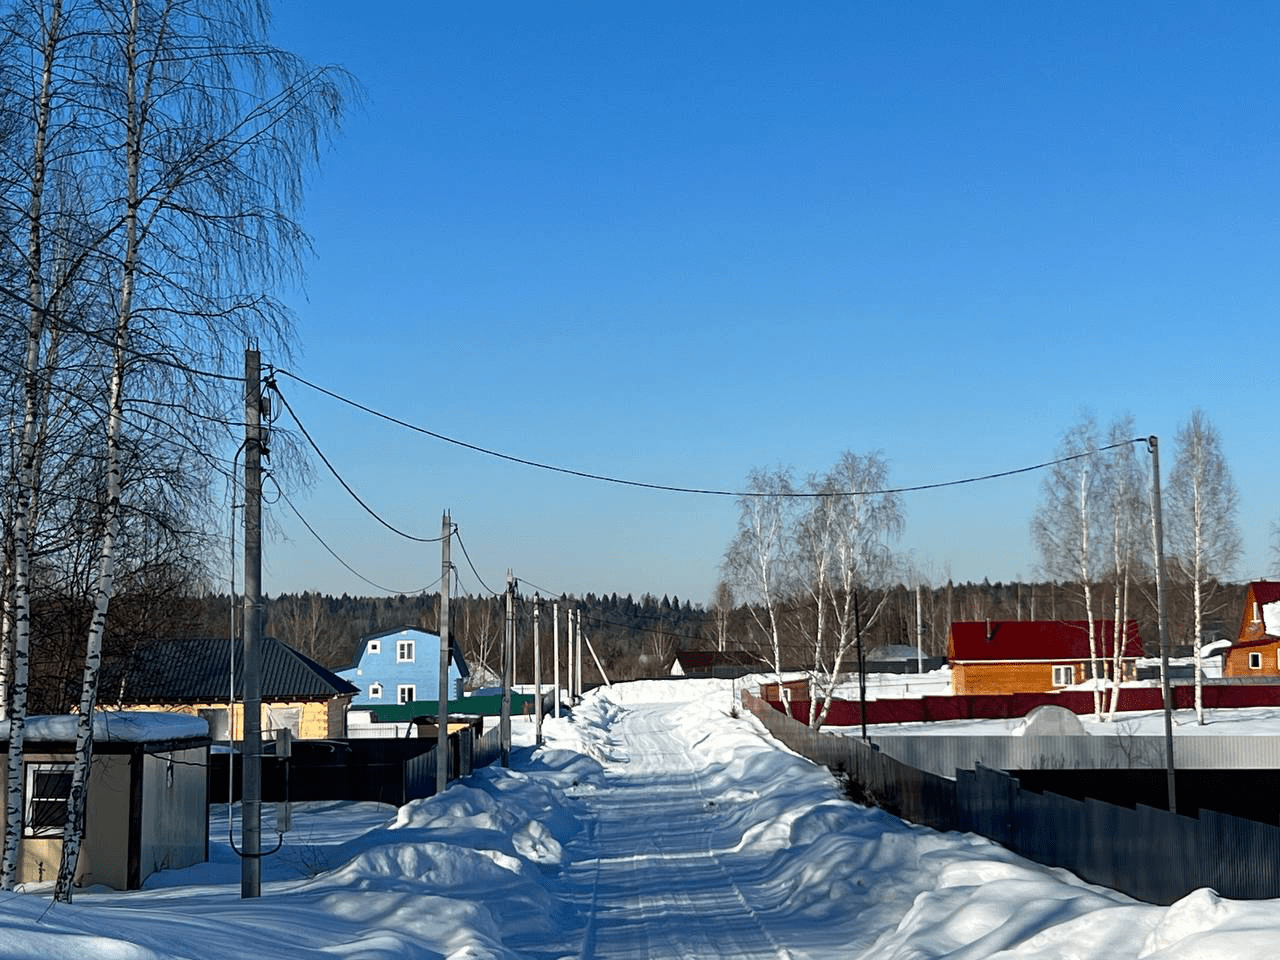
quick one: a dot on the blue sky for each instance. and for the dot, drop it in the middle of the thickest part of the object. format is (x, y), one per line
(673, 241)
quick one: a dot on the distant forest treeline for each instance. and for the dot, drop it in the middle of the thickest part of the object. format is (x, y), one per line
(637, 638)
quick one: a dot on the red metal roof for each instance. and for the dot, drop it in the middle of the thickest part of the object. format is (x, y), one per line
(984, 640)
(1265, 591)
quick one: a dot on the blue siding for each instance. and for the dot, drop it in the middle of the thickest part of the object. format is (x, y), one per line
(381, 661)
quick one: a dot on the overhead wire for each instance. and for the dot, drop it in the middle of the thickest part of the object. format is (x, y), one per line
(354, 572)
(270, 382)
(109, 341)
(457, 532)
(702, 491)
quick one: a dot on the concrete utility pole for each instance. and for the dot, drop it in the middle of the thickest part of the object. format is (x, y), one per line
(555, 650)
(537, 674)
(862, 664)
(577, 636)
(568, 654)
(442, 693)
(1157, 530)
(251, 747)
(919, 628)
(508, 671)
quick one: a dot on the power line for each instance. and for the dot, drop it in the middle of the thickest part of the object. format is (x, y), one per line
(310, 529)
(271, 384)
(790, 494)
(109, 341)
(457, 532)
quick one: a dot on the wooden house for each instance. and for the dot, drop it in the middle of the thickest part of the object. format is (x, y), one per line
(147, 800)
(1256, 651)
(194, 676)
(1034, 656)
(401, 666)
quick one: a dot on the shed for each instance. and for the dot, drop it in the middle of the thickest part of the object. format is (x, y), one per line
(193, 676)
(147, 801)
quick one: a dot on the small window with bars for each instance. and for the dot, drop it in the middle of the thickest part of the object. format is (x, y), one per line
(48, 788)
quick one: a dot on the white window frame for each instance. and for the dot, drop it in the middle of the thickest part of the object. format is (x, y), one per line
(406, 693)
(48, 830)
(375, 646)
(1064, 676)
(375, 691)
(1255, 660)
(404, 651)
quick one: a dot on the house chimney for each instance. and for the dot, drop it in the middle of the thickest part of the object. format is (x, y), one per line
(988, 629)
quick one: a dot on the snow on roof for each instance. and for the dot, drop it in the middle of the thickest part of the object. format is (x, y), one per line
(1271, 618)
(112, 727)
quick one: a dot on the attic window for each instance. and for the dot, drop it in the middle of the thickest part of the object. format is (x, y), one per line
(1255, 661)
(375, 690)
(405, 693)
(375, 646)
(404, 651)
(1064, 676)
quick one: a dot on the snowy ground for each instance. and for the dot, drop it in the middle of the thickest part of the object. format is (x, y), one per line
(651, 824)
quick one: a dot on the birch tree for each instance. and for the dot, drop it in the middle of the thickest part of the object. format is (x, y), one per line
(861, 521)
(1128, 515)
(185, 137)
(1203, 537)
(757, 560)
(1065, 526)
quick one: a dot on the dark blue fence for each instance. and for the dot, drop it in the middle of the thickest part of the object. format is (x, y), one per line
(1148, 853)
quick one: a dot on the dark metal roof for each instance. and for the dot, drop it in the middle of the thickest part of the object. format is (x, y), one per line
(196, 670)
(706, 659)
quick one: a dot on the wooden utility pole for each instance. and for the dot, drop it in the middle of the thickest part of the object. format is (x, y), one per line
(251, 748)
(442, 693)
(1157, 530)
(537, 674)
(508, 671)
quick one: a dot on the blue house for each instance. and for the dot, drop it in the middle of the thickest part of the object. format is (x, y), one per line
(401, 666)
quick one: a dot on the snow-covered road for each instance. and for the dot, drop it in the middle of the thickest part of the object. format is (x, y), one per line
(652, 824)
(658, 868)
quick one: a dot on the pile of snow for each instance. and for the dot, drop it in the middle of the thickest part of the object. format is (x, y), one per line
(653, 822)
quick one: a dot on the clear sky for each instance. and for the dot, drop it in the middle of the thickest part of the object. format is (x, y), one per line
(672, 241)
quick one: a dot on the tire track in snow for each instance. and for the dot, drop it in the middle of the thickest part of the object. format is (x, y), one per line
(646, 872)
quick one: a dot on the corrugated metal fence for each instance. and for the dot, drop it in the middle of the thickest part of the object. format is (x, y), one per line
(946, 754)
(1148, 853)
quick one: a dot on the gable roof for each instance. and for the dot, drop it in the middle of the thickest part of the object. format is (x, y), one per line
(454, 653)
(1265, 591)
(196, 670)
(982, 640)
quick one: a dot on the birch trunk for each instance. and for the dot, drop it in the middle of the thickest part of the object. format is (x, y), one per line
(27, 460)
(1198, 533)
(73, 835)
(1085, 576)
